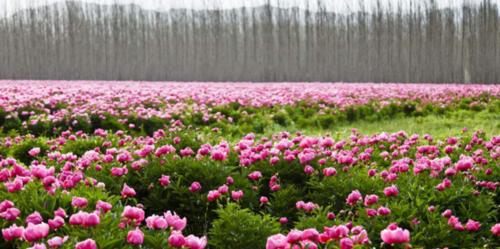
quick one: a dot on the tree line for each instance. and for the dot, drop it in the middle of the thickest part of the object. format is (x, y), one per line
(416, 43)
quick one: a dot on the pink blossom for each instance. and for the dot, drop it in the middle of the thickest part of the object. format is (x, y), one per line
(354, 197)
(86, 244)
(164, 180)
(277, 241)
(56, 223)
(395, 235)
(36, 232)
(135, 237)
(256, 175)
(330, 171)
(495, 229)
(175, 221)
(176, 239)
(79, 202)
(133, 214)
(213, 195)
(193, 242)
(156, 222)
(103, 206)
(34, 152)
(35, 218)
(391, 191)
(472, 225)
(236, 195)
(346, 243)
(370, 200)
(195, 186)
(56, 241)
(127, 191)
(12, 232)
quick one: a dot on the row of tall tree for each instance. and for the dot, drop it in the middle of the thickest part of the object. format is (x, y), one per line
(419, 42)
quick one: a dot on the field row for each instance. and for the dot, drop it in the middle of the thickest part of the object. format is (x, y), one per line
(136, 165)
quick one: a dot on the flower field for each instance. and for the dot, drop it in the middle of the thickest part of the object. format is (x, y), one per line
(223, 165)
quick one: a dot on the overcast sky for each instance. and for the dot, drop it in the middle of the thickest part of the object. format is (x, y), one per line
(10, 6)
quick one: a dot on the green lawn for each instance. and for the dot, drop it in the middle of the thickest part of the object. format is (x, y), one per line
(438, 126)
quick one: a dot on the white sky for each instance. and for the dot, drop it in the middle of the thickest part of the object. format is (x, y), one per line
(7, 7)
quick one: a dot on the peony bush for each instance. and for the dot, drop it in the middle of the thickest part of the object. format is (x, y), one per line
(150, 165)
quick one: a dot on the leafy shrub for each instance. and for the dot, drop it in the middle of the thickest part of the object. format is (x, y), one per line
(20, 151)
(281, 118)
(249, 232)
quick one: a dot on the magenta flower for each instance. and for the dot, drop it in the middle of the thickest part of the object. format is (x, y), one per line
(79, 202)
(164, 180)
(195, 186)
(156, 222)
(395, 235)
(34, 152)
(35, 232)
(12, 232)
(176, 239)
(277, 241)
(354, 197)
(236, 195)
(86, 244)
(472, 225)
(193, 242)
(127, 191)
(135, 237)
(495, 229)
(391, 191)
(57, 241)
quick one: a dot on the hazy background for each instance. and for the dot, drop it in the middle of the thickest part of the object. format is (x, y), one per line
(252, 40)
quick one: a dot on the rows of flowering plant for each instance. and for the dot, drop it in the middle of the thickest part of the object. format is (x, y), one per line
(181, 189)
(155, 165)
(42, 108)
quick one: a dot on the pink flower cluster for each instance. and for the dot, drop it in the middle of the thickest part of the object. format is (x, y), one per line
(346, 236)
(71, 101)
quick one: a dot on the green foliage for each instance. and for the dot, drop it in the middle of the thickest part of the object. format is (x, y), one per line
(249, 232)
(20, 151)
(80, 146)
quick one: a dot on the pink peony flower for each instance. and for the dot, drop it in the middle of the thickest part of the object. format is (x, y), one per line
(135, 237)
(35, 232)
(133, 214)
(127, 191)
(56, 223)
(213, 195)
(35, 218)
(472, 225)
(12, 232)
(346, 243)
(330, 171)
(156, 222)
(103, 206)
(256, 175)
(34, 152)
(391, 191)
(236, 195)
(57, 241)
(354, 197)
(175, 221)
(164, 180)
(195, 187)
(86, 244)
(277, 241)
(193, 242)
(395, 235)
(495, 230)
(370, 200)
(176, 239)
(79, 202)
